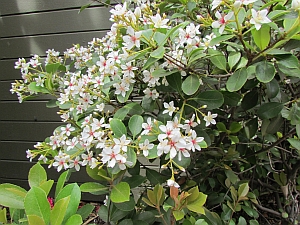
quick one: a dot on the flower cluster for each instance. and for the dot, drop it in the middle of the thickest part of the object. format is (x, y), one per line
(145, 54)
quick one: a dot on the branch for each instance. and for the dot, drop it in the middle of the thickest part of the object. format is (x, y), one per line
(292, 131)
(268, 210)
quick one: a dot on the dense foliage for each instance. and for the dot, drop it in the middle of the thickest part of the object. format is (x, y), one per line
(194, 102)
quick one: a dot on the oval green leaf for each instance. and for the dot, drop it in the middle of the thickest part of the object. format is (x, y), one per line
(269, 110)
(237, 80)
(191, 85)
(265, 71)
(37, 175)
(93, 187)
(118, 127)
(135, 125)
(213, 99)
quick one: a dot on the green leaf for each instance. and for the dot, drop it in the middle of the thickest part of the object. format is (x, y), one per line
(74, 220)
(154, 177)
(261, 37)
(251, 212)
(265, 71)
(213, 99)
(250, 100)
(135, 125)
(94, 188)
(33, 87)
(118, 127)
(219, 61)
(272, 88)
(191, 85)
(72, 190)
(12, 196)
(131, 108)
(97, 174)
(126, 222)
(46, 186)
(243, 190)
(231, 176)
(235, 127)
(178, 215)
(295, 143)
(150, 61)
(175, 81)
(197, 205)
(237, 80)
(34, 220)
(59, 210)
(85, 211)
(84, 7)
(231, 98)
(251, 128)
(36, 204)
(120, 193)
(134, 181)
(233, 59)
(242, 221)
(61, 182)
(126, 206)
(163, 73)
(54, 67)
(220, 39)
(158, 53)
(269, 110)
(3, 218)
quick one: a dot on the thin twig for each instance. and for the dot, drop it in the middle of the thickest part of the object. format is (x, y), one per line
(90, 220)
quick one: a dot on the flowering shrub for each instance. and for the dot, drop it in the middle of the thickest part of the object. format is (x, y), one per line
(210, 89)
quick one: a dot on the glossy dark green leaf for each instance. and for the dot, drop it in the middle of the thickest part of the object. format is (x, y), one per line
(94, 187)
(272, 88)
(237, 80)
(269, 110)
(213, 99)
(231, 98)
(126, 206)
(219, 61)
(158, 53)
(250, 100)
(175, 81)
(265, 71)
(250, 128)
(85, 210)
(154, 177)
(163, 73)
(135, 180)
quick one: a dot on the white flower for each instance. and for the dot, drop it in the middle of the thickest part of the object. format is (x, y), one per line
(210, 118)
(112, 156)
(159, 22)
(75, 163)
(121, 143)
(147, 126)
(215, 4)
(133, 39)
(259, 18)
(169, 108)
(222, 21)
(151, 93)
(171, 182)
(238, 3)
(194, 140)
(295, 4)
(145, 147)
(88, 159)
(189, 123)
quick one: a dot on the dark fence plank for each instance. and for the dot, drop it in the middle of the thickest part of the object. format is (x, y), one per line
(55, 22)
(27, 46)
(15, 150)
(34, 111)
(26, 131)
(20, 6)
